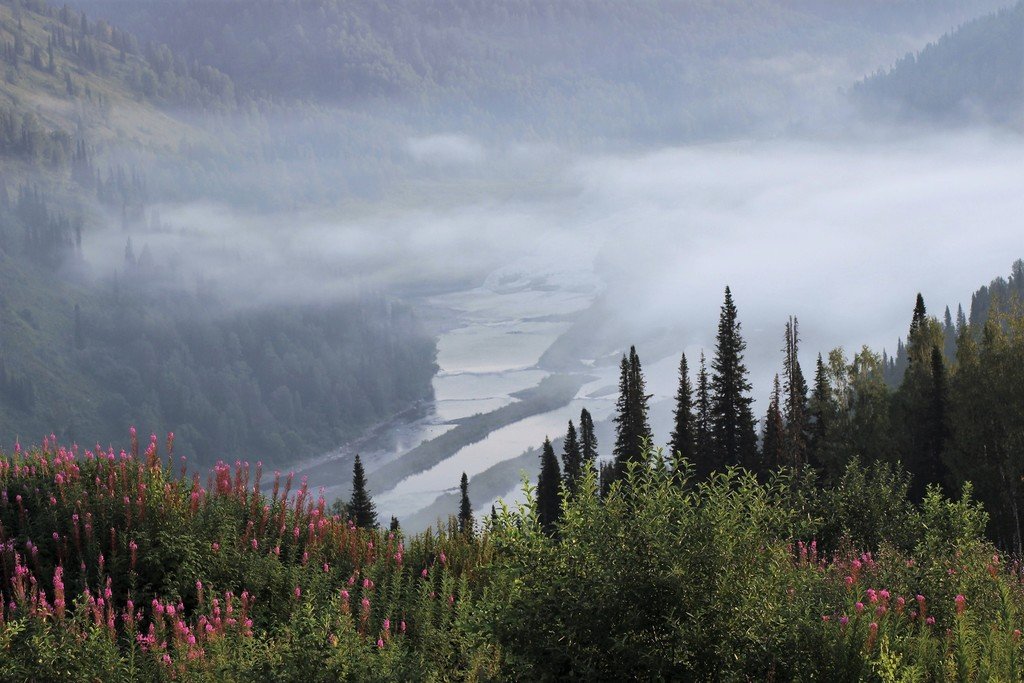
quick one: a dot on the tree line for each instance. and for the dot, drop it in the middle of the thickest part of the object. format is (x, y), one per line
(956, 416)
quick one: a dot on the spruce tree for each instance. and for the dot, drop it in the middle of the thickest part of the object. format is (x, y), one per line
(465, 508)
(623, 417)
(549, 507)
(572, 459)
(918, 433)
(683, 443)
(795, 406)
(395, 526)
(920, 315)
(632, 430)
(820, 409)
(704, 445)
(361, 509)
(732, 420)
(949, 332)
(773, 455)
(588, 440)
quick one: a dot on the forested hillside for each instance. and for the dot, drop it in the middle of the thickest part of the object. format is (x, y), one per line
(975, 73)
(85, 349)
(605, 67)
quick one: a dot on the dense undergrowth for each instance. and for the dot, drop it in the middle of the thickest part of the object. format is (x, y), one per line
(117, 567)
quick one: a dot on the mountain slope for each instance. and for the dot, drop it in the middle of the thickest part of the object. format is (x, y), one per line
(973, 73)
(608, 67)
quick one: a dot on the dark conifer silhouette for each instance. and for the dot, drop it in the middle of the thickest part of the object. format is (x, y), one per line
(361, 509)
(683, 443)
(549, 482)
(704, 445)
(465, 508)
(588, 440)
(572, 459)
(819, 412)
(632, 430)
(794, 409)
(732, 420)
(773, 453)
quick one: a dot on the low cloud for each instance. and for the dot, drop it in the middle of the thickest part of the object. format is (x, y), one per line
(446, 150)
(840, 234)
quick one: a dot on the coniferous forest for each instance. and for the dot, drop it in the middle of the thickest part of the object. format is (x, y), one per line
(518, 340)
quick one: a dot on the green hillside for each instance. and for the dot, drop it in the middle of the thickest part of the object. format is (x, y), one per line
(975, 73)
(84, 112)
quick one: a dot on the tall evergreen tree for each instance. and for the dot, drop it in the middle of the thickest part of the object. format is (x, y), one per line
(465, 508)
(549, 507)
(361, 509)
(820, 409)
(916, 322)
(684, 438)
(961, 321)
(914, 402)
(795, 405)
(949, 333)
(632, 430)
(572, 459)
(732, 419)
(623, 416)
(773, 454)
(588, 440)
(704, 446)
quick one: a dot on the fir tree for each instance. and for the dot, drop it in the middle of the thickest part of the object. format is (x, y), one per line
(549, 507)
(588, 440)
(949, 333)
(794, 446)
(572, 459)
(632, 430)
(683, 443)
(623, 417)
(914, 403)
(361, 509)
(704, 445)
(820, 410)
(395, 526)
(961, 321)
(773, 440)
(920, 315)
(732, 420)
(465, 508)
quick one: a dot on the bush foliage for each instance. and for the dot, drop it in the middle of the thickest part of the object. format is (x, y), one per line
(116, 567)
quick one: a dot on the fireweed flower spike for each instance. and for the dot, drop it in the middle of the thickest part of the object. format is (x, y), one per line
(961, 603)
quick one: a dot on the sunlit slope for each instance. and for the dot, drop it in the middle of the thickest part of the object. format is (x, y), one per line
(81, 84)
